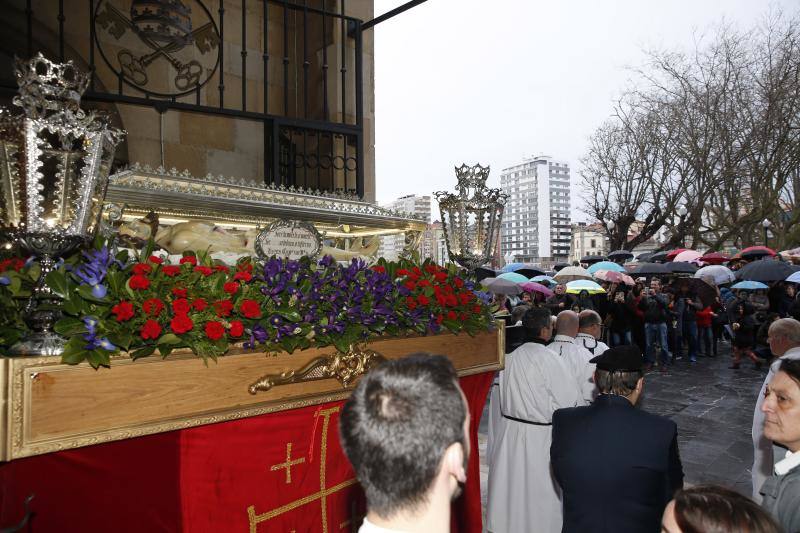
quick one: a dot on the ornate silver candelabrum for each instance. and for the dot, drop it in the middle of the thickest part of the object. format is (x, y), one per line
(54, 165)
(471, 217)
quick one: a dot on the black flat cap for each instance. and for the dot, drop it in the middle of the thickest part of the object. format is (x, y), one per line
(626, 358)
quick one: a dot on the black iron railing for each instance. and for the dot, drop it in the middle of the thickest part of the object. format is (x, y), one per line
(313, 129)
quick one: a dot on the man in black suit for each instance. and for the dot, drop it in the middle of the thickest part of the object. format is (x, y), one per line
(617, 466)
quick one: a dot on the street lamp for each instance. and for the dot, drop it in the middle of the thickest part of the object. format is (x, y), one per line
(766, 223)
(682, 212)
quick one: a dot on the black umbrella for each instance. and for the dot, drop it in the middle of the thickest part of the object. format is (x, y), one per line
(659, 257)
(529, 272)
(645, 257)
(764, 270)
(650, 269)
(681, 267)
(484, 272)
(620, 255)
(707, 293)
(559, 266)
(592, 259)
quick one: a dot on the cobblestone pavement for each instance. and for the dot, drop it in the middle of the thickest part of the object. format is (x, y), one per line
(713, 407)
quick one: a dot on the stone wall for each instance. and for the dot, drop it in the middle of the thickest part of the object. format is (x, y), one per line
(212, 143)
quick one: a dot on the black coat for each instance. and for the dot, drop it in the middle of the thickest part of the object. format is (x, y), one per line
(618, 466)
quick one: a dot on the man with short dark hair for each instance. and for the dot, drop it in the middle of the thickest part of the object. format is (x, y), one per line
(590, 329)
(522, 493)
(656, 313)
(617, 466)
(405, 430)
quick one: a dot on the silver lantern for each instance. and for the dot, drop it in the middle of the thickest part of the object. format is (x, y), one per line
(471, 217)
(54, 165)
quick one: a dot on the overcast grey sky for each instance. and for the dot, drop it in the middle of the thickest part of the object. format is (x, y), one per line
(491, 81)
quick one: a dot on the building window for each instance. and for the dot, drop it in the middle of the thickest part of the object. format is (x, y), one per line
(593, 244)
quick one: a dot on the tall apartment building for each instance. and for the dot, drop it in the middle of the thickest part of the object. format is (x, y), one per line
(392, 245)
(536, 223)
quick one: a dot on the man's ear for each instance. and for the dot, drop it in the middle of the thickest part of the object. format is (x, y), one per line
(640, 385)
(454, 462)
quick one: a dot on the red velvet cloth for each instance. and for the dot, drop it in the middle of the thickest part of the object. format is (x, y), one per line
(220, 477)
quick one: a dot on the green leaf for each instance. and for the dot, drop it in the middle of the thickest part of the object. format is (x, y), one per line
(69, 326)
(143, 352)
(122, 256)
(168, 338)
(85, 291)
(95, 358)
(164, 349)
(122, 339)
(57, 281)
(74, 351)
(72, 307)
(290, 315)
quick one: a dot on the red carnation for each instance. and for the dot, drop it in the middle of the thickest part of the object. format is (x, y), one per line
(214, 330)
(417, 271)
(440, 276)
(190, 259)
(250, 309)
(231, 287)
(237, 329)
(223, 307)
(246, 276)
(222, 268)
(199, 304)
(424, 283)
(171, 270)
(150, 330)
(142, 268)
(123, 310)
(139, 282)
(450, 300)
(403, 272)
(423, 300)
(155, 259)
(477, 309)
(462, 316)
(152, 307)
(181, 324)
(180, 293)
(459, 282)
(246, 267)
(451, 315)
(439, 318)
(410, 285)
(180, 306)
(431, 269)
(411, 303)
(464, 298)
(204, 270)
(379, 268)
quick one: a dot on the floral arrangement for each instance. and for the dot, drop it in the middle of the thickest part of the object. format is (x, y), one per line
(142, 306)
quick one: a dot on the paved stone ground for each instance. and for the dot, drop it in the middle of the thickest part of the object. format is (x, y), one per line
(713, 407)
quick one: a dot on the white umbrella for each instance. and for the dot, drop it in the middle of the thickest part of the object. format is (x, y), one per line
(572, 273)
(720, 274)
(501, 286)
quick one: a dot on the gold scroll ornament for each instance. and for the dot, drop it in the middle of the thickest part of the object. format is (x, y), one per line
(344, 367)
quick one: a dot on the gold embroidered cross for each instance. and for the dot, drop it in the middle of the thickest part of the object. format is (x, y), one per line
(288, 464)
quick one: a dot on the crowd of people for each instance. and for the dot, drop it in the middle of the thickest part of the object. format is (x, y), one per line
(668, 320)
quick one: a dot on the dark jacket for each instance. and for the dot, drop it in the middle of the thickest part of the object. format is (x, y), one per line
(781, 498)
(553, 302)
(622, 317)
(617, 466)
(655, 309)
(684, 310)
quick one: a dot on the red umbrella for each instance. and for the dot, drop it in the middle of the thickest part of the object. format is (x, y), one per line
(672, 253)
(714, 258)
(754, 252)
(614, 277)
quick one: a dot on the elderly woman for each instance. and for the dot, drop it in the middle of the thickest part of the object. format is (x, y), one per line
(781, 408)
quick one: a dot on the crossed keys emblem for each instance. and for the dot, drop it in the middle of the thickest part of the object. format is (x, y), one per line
(134, 67)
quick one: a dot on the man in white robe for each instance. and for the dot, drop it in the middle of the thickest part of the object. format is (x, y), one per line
(574, 354)
(523, 496)
(590, 329)
(784, 342)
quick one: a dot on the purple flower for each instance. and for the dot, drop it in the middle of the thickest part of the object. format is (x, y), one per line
(5, 280)
(326, 261)
(94, 269)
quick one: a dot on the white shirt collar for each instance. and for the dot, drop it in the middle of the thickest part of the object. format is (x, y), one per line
(791, 353)
(369, 527)
(564, 338)
(784, 466)
(586, 336)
